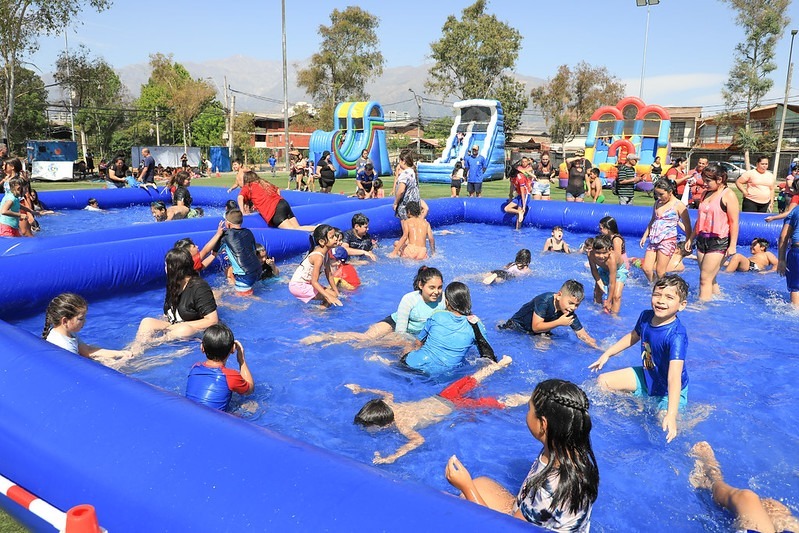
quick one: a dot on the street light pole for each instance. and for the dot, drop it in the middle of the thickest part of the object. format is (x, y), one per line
(69, 77)
(784, 106)
(418, 123)
(647, 3)
(286, 92)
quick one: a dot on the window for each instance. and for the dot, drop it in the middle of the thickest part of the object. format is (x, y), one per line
(677, 134)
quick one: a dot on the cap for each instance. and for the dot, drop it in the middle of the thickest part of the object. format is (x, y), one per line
(340, 253)
(579, 152)
(632, 156)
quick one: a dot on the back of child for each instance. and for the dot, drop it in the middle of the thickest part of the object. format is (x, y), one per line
(239, 247)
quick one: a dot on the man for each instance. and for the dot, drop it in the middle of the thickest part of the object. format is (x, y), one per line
(147, 174)
(475, 166)
(626, 180)
(272, 163)
(696, 183)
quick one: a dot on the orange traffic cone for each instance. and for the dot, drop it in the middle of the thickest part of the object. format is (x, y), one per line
(82, 519)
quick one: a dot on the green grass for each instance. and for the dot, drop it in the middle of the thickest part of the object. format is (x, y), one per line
(9, 525)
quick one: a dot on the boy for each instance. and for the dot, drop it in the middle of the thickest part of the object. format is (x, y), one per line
(238, 244)
(409, 417)
(664, 343)
(595, 186)
(609, 274)
(761, 259)
(365, 179)
(357, 240)
(211, 383)
(549, 310)
(344, 274)
(415, 235)
(268, 267)
(10, 209)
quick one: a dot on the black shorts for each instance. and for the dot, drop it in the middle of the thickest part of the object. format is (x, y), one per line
(748, 206)
(456, 184)
(283, 212)
(502, 274)
(327, 182)
(476, 188)
(709, 245)
(390, 321)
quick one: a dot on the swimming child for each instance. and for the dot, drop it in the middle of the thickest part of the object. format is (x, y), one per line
(447, 336)
(304, 284)
(411, 315)
(562, 485)
(64, 318)
(752, 514)
(211, 383)
(357, 240)
(517, 267)
(238, 245)
(416, 233)
(269, 268)
(11, 210)
(549, 310)
(595, 186)
(344, 274)
(521, 184)
(555, 243)
(667, 213)
(664, 344)
(158, 210)
(609, 274)
(93, 205)
(760, 260)
(409, 417)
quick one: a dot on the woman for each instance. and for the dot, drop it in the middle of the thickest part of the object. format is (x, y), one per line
(265, 197)
(677, 175)
(326, 172)
(184, 161)
(406, 186)
(189, 305)
(117, 174)
(362, 161)
(757, 187)
(657, 169)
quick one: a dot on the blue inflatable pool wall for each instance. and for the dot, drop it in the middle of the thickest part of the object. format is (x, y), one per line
(76, 432)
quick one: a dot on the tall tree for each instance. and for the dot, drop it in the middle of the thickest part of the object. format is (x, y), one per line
(568, 100)
(97, 93)
(207, 128)
(23, 21)
(762, 22)
(29, 121)
(347, 59)
(475, 58)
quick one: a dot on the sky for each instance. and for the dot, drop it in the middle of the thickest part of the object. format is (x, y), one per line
(689, 52)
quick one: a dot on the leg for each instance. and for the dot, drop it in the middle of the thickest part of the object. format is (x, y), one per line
(616, 307)
(375, 331)
(623, 380)
(599, 294)
(708, 268)
(495, 495)
(738, 263)
(489, 369)
(662, 264)
(648, 265)
(148, 328)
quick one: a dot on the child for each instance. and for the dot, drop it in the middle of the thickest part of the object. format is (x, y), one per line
(447, 336)
(416, 232)
(344, 274)
(304, 284)
(586, 246)
(202, 258)
(238, 245)
(555, 243)
(609, 227)
(158, 210)
(609, 273)
(517, 205)
(751, 513)
(664, 343)
(38, 205)
(456, 179)
(519, 266)
(788, 255)
(64, 318)
(10, 209)
(595, 186)
(211, 383)
(378, 187)
(561, 488)
(268, 267)
(409, 417)
(667, 213)
(760, 260)
(549, 310)
(357, 240)
(92, 205)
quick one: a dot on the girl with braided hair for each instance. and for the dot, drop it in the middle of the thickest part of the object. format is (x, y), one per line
(561, 488)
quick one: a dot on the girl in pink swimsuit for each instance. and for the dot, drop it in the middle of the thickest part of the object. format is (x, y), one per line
(667, 213)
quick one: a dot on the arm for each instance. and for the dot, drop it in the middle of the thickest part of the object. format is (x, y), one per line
(732, 216)
(5, 209)
(414, 441)
(89, 351)
(648, 226)
(400, 192)
(675, 381)
(612, 268)
(685, 217)
(240, 201)
(785, 243)
(741, 182)
(595, 272)
(586, 338)
(432, 239)
(782, 215)
(460, 478)
(772, 262)
(244, 370)
(618, 347)
(404, 312)
(357, 389)
(539, 325)
(329, 276)
(546, 244)
(212, 242)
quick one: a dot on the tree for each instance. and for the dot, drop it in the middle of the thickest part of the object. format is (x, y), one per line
(439, 128)
(29, 121)
(347, 60)
(243, 125)
(762, 22)
(474, 59)
(568, 100)
(209, 125)
(20, 26)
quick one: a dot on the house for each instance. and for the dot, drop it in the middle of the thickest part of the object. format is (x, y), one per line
(717, 132)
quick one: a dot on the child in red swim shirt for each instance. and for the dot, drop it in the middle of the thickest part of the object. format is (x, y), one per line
(344, 274)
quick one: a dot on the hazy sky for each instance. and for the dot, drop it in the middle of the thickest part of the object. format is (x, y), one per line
(691, 42)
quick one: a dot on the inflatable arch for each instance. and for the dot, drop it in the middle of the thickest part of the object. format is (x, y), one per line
(76, 432)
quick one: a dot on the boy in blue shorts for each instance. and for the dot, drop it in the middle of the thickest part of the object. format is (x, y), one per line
(211, 383)
(664, 343)
(239, 246)
(549, 310)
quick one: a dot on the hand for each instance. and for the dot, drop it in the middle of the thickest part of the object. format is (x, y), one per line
(380, 460)
(356, 389)
(597, 365)
(601, 285)
(670, 427)
(335, 301)
(771, 218)
(457, 474)
(781, 268)
(731, 251)
(643, 241)
(239, 352)
(371, 256)
(607, 306)
(565, 320)
(688, 246)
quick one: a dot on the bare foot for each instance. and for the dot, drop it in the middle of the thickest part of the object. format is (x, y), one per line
(706, 469)
(379, 359)
(505, 361)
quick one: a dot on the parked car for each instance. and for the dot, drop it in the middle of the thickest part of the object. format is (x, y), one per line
(733, 171)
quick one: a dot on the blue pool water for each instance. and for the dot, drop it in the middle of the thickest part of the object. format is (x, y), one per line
(742, 365)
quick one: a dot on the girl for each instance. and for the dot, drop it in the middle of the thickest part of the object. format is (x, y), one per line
(716, 229)
(12, 212)
(181, 197)
(64, 318)
(561, 488)
(556, 243)
(456, 180)
(522, 186)
(667, 213)
(326, 172)
(407, 188)
(265, 197)
(609, 274)
(304, 284)
(608, 226)
(37, 204)
(378, 187)
(411, 315)
(519, 266)
(189, 304)
(447, 336)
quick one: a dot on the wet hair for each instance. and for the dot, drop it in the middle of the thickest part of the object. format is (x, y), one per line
(218, 342)
(714, 171)
(183, 243)
(199, 212)
(413, 209)
(523, 257)
(588, 243)
(665, 184)
(179, 266)
(368, 166)
(319, 234)
(425, 274)
(91, 201)
(260, 248)
(555, 228)
(359, 219)
(513, 171)
(161, 206)
(234, 216)
(231, 205)
(360, 193)
(378, 183)
(458, 297)
(602, 243)
(15, 163)
(66, 305)
(594, 171)
(573, 288)
(568, 438)
(760, 241)
(250, 177)
(609, 223)
(181, 177)
(374, 413)
(673, 280)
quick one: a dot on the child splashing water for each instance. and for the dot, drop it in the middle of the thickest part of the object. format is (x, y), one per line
(667, 213)
(555, 243)
(304, 284)
(609, 274)
(562, 486)
(518, 267)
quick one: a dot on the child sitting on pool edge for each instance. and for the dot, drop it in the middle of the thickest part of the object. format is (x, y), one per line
(664, 343)
(304, 284)
(211, 383)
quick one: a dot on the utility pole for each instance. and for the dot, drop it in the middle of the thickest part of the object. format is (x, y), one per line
(418, 123)
(285, 90)
(228, 121)
(232, 124)
(157, 129)
(784, 107)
